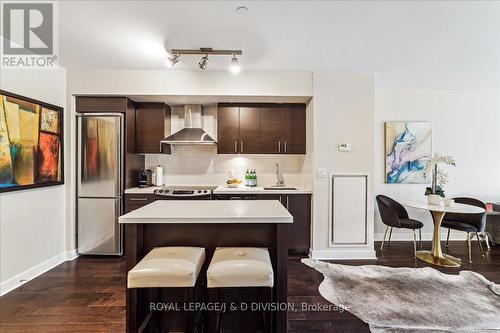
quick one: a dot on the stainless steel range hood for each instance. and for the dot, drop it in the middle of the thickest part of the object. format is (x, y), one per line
(192, 133)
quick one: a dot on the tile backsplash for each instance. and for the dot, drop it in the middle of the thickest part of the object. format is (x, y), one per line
(201, 165)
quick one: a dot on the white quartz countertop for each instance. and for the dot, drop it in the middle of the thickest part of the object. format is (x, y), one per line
(223, 189)
(259, 190)
(142, 190)
(209, 211)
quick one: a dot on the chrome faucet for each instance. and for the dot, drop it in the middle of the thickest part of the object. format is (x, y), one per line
(279, 176)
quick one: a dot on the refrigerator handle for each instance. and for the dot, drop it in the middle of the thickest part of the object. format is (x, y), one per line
(120, 158)
(119, 229)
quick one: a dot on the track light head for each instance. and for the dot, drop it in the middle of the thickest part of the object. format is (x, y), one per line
(172, 60)
(235, 65)
(203, 63)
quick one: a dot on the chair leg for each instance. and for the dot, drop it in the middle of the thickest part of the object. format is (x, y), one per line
(390, 235)
(415, 243)
(448, 237)
(383, 240)
(420, 237)
(480, 245)
(484, 236)
(468, 245)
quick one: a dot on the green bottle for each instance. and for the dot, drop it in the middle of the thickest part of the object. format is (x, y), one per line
(247, 178)
(254, 178)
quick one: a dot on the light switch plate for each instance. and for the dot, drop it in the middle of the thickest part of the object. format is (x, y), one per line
(321, 173)
(345, 147)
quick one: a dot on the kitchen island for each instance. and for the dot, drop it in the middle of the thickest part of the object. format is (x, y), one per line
(208, 224)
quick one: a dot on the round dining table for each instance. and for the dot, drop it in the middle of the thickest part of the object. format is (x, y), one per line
(436, 255)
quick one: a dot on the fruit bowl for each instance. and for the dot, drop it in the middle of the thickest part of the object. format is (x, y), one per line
(233, 182)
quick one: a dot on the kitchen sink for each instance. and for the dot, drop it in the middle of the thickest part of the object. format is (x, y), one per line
(282, 188)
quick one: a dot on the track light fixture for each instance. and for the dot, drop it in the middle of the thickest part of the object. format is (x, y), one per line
(203, 62)
(206, 52)
(172, 60)
(235, 65)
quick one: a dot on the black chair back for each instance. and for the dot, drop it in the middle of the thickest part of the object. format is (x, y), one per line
(477, 220)
(391, 211)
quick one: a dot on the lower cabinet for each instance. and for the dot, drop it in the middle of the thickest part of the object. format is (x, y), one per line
(134, 201)
(299, 233)
(299, 206)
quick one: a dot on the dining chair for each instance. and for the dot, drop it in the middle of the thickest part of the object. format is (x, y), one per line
(472, 224)
(394, 215)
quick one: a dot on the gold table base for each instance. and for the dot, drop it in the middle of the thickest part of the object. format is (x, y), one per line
(436, 256)
(445, 261)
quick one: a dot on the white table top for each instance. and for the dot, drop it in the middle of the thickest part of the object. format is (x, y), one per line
(455, 208)
(209, 211)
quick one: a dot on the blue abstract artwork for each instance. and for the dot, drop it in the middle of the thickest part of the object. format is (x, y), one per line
(408, 148)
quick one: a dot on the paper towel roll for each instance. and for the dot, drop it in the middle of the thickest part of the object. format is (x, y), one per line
(159, 176)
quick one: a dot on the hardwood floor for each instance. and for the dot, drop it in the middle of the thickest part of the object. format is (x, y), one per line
(88, 294)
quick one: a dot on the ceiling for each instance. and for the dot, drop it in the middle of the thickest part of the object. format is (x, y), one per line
(406, 37)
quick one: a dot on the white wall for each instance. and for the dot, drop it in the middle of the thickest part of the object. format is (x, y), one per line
(138, 82)
(465, 125)
(32, 222)
(200, 165)
(343, 113)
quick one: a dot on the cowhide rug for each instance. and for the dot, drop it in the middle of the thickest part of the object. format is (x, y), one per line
(412, 299)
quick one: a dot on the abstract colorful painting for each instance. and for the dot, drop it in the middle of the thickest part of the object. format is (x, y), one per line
(408, 147)
(31, 134)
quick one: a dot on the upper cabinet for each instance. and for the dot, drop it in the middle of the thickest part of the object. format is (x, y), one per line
(228, 120)
(293, 140)
(261, 128)
(152, 124)
(98, 104)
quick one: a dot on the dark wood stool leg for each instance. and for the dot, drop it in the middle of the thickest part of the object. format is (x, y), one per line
(213, 316)
(190, 315)
(268, 315)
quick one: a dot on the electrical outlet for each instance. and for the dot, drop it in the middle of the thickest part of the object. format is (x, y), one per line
(321, 173)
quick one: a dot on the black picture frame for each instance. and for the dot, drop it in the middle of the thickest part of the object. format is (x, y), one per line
(60, 111)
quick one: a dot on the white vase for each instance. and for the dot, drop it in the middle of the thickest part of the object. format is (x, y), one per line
(433, 199)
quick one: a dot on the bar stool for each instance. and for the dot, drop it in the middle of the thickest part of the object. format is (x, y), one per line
(168, 267)
(238, 267)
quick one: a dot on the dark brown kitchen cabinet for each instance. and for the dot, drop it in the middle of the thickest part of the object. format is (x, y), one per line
(227, 129)
(284, 129)
(293, 140)
(299, 233)
(134, 201)
(249, 130)
(152, 124)
(238, 129)
(271, 129)
(261, 128)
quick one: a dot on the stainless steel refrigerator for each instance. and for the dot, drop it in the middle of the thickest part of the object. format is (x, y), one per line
(100, 182)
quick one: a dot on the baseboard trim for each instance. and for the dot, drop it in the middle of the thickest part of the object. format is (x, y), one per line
(343, 254)
(426, 236)
(22, 278)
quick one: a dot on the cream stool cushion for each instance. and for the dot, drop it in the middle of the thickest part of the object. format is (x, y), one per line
(164, 267)
(240, 267)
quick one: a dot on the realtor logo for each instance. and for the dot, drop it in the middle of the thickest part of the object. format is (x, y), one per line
(28, 31)
(28, 28)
